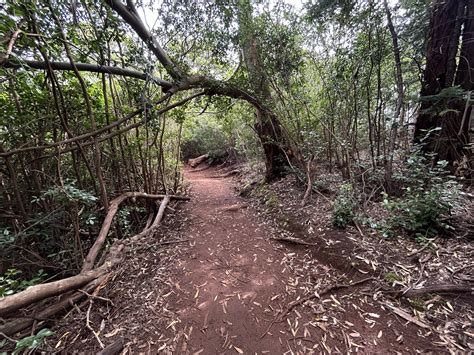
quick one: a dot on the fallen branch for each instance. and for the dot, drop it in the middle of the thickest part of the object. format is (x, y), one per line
(113, 208)
(401, 313)
(196, 161)
(292, 240)
(427, 244)
(443, 288)
(87, 277)
(18, 324)
(39, 292)
(157, 221)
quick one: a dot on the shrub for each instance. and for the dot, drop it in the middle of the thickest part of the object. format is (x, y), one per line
(429, 197)
(343, 208)
(11, 283)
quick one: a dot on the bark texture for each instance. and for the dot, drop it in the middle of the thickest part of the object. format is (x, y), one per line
(451, 23)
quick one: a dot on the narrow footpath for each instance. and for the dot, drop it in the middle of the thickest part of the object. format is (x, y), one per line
(235, 285)
(234, 282)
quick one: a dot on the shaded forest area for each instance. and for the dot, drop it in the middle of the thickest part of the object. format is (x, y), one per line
(360, 106)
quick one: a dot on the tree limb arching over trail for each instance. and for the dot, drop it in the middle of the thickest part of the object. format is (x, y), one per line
(267, 125)
(347, 221)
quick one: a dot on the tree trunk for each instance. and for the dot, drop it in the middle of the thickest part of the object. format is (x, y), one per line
(399, 109)
(267, 125)
(269, 132)
(450, 142)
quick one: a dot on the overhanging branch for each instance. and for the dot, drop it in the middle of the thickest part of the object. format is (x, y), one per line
(160, 111)
(93, 68)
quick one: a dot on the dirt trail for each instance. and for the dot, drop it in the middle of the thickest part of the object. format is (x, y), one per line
(235, 282)
(231, 277)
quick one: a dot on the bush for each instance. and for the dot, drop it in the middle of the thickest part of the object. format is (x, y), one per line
(429, 197)
(10, 282)
(204, 138)
(343, 208)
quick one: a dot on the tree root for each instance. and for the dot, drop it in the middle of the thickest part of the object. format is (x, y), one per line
(444, 288)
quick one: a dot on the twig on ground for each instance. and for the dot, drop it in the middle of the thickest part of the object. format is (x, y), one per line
(292, 240)
(427, 244)
(97, 297)
(88, 325)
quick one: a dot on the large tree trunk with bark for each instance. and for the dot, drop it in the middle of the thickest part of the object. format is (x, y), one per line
(269, 132)
(451, 22)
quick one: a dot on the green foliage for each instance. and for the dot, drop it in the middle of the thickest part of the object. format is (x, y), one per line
(204, 137)
(10, 282)
(429, 197)
(417, 303)
(344, 207)
(68, 192)
(392, 277)
(440, 102)
(32, 341)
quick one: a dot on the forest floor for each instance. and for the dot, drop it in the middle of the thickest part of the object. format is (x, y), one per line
(227, 287)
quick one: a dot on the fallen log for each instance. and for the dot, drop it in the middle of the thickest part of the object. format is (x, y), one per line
(196, 161)
(293, 240)
(104, 231)
(16, 325)
(87, 278)
(39, 292)
(157, 221)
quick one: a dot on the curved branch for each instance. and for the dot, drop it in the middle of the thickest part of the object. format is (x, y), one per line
(113, 208)
(6, 154)
(93, 68)
(82, 136)
(130, 16)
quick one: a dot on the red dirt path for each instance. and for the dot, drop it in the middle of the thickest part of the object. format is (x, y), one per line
(235, 282)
